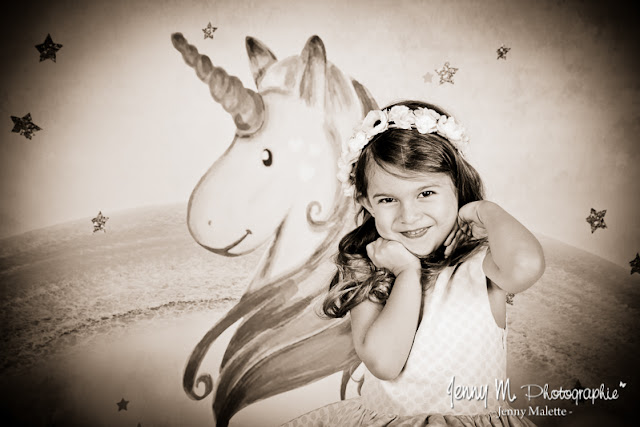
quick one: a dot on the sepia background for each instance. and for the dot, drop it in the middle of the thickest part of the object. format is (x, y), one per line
(128, 130)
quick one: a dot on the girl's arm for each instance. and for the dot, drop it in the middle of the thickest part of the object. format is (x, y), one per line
(383, 334)
(515, 260)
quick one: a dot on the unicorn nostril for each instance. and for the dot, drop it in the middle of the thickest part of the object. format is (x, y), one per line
(209, 222)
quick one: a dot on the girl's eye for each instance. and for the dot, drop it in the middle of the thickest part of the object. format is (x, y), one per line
(267, 157)
(385, 200)
(426, 193)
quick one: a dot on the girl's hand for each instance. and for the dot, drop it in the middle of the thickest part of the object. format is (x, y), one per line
(392, 255)
(515, 259)
(469, 225)
(470, 222)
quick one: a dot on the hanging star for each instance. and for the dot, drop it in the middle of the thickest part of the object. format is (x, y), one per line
(122, 405)
(427, 77)
(502, 52)
(99, 222)
(208, 32)
(635, 264)
(24, 126)
(446, 73)
(596, 219)
(48, 49)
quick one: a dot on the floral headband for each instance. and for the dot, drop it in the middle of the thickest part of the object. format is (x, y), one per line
(424, 120)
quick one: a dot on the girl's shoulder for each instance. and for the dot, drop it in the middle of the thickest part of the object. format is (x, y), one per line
(476, 255)
(471, 267)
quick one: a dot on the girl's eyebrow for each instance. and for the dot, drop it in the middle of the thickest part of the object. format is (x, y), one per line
(435, 185)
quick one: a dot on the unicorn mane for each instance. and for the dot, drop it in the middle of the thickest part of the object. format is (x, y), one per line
(282, 341)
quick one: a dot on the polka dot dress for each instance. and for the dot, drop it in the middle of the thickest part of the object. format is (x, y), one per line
(456, 365)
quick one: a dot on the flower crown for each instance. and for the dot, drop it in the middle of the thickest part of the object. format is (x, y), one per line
(424, 120)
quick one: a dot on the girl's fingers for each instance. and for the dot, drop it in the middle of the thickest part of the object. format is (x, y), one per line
(452, 234)
(454, 243)
(448, 250)
(450, 237)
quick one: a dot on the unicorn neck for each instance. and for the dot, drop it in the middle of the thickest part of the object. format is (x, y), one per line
(298, 243)
(294, 244)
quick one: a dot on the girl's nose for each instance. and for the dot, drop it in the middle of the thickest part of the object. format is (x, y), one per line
(409, 213)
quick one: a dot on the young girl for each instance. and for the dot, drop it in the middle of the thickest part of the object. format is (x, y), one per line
(424, 278)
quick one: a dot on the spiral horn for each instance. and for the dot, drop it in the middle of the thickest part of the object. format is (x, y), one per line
(244, 105)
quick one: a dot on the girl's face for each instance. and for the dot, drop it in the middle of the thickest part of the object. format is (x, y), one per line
(418, 210)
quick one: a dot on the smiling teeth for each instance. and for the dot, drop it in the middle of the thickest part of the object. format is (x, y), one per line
(415, 233)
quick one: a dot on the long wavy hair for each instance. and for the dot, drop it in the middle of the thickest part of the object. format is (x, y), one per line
(407, 150)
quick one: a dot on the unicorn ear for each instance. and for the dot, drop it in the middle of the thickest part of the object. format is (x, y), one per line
(260, 58)
(313, 82)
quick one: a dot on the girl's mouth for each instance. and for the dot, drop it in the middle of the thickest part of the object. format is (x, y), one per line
(414, 234)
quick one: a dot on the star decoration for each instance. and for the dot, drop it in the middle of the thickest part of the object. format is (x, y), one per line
(208, 32)
(596, 219)
(48, 49)
(446, 73)
(502, 52)
(427, 77)
(122, 405)
(99, 223)
(24, 126)
(635, 264)
(510, 298)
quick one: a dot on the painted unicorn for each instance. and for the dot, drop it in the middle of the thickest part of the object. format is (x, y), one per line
(276, 183)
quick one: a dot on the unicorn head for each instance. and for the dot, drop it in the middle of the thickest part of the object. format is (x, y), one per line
(276, 181)
(276, 184)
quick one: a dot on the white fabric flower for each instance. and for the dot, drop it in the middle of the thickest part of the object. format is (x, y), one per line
(402, 116)
(369, 123)
(358, 141)
(351, 151)
(350, 157)
(426, 120)
(462, 145)
(348, 190)
(345, 167)
(448, 128)
(343, 164)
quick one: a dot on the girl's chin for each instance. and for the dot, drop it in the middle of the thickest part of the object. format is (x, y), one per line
(423, 250)
(420, 251)
(422, 247)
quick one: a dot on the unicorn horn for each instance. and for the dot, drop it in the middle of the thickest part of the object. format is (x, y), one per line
(244, 105)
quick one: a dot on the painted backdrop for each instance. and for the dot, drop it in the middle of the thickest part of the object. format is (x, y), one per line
(102, 115)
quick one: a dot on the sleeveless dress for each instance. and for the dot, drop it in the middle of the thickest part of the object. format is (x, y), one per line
(454, 370)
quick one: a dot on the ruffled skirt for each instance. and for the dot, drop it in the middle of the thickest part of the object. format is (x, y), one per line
(351, 413)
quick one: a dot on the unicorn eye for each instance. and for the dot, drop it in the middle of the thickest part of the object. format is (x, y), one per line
(267, 157)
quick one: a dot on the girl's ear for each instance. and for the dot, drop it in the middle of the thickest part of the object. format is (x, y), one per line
(364, 202)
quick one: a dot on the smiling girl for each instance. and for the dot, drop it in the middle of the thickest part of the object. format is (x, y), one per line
(424, 276)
